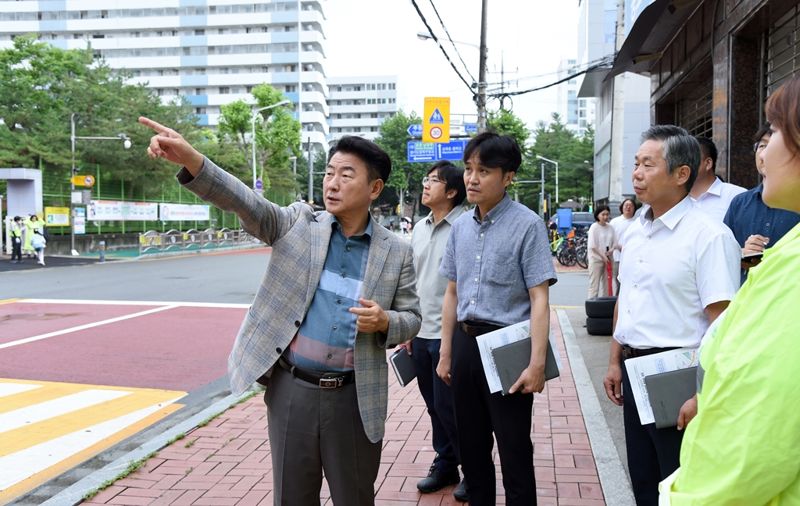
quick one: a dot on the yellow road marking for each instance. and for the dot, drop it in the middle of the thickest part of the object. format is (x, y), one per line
(25, 437)
(8, 301)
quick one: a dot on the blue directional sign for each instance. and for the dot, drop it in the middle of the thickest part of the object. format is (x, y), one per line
(471, 128)
(436, 117)
(432, 152)
(421, 151)
(414, 130)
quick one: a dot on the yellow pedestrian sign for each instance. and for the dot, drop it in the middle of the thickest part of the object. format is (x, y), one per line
(436, 120)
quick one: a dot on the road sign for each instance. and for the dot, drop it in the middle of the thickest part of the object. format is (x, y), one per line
(80, 180)
(436, 125)
(431, 152)
(471, 128)
(259, 184)
(415, 130)
(421, 151)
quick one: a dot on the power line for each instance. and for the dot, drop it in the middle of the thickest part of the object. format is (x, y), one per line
(583, 66)
(570, 76)
(436, 11)
(436, 39)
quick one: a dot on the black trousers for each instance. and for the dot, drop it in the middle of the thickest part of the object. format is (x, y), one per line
(478, 415)
(16, 248)
(653, 454)
(439, 401)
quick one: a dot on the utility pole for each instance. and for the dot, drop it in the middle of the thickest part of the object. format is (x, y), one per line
(310, 174)
(481, 98)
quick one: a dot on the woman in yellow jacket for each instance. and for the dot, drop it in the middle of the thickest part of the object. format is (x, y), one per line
(743, 447)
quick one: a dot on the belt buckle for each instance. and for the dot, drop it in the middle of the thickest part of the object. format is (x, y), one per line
(331, 382)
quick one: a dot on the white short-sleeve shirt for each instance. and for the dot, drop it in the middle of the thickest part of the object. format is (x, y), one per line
(717, 199)
(670, 270)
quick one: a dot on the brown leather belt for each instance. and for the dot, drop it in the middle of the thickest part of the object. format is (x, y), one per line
(475, 329)
(321, 379)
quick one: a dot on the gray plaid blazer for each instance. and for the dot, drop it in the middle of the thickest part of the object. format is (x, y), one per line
(299, 238)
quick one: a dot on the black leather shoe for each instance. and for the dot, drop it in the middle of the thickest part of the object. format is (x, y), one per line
(460, 492)
(437, 480)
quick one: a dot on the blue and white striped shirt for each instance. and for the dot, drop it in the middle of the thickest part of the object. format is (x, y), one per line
(327, 336)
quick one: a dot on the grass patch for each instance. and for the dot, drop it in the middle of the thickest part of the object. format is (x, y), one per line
(190, 443)
(132, 468)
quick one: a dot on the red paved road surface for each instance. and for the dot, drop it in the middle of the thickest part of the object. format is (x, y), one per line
(178, 349)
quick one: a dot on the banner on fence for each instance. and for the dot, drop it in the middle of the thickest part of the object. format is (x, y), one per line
(56, 216)
(117, 210)
(184, 212)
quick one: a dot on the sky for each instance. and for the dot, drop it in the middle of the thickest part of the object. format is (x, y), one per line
(529, 37)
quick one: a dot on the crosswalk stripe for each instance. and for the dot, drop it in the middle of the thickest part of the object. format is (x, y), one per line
(7, 389)
(48, 427)
(55, 407)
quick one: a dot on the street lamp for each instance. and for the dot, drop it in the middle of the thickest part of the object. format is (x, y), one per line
(538, 157)
(425, 36)
(253, 131)
(126, 143)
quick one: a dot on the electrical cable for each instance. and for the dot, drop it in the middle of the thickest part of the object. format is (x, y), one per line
(570, 76)
(441, 22)
(436, 39)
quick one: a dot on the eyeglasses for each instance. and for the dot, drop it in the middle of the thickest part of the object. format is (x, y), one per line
(431, 180)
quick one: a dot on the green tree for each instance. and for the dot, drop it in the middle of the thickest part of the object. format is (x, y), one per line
(406, 177)
(573, 154)
(507, 123)
(42, 87)
(277, 138)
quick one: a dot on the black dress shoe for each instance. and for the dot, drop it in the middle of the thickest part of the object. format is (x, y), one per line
(460, 492)
(437, 480)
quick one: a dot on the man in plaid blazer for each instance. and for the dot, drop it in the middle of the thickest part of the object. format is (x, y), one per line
(338, 291)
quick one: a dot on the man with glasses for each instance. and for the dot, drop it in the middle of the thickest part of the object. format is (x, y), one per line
(443, 192)
(756, 226)
(709, 193)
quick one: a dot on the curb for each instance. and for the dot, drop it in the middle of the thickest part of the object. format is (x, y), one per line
(75, 493)
(613, 478)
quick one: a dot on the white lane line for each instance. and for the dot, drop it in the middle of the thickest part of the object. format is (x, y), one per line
(7, 389)
(84, 327)
(25, 463)
(56, 407)
(135, 303)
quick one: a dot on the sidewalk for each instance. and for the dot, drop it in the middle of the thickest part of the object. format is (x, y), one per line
(227, 462)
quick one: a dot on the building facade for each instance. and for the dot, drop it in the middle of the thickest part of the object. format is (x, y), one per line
(358, 105)
(622, 102)
(712, 66)
(577, 113)
(211, 52)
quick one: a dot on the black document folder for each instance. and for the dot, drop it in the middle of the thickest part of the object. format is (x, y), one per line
(511, 359)
(403, 366)
(668, 391)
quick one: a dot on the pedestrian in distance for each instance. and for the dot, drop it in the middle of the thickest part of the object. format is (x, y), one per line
(38, 243)
(443, 192)
(742, 448)
(16, 240)
(602, 242)
(338, 291)
(621, 223)
(677, 273)
(499, 270)
(27, 235)
(754, 224)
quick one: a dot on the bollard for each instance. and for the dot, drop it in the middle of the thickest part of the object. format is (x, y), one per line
(102, 245)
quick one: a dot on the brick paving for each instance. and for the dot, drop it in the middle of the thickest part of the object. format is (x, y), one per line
(227, 462)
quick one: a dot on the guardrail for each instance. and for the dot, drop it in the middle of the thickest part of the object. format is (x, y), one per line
(173, 240)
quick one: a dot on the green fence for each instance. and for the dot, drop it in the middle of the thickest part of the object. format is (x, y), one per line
(56, 193)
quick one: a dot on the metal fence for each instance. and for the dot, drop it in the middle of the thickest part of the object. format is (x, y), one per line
(153, 241)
